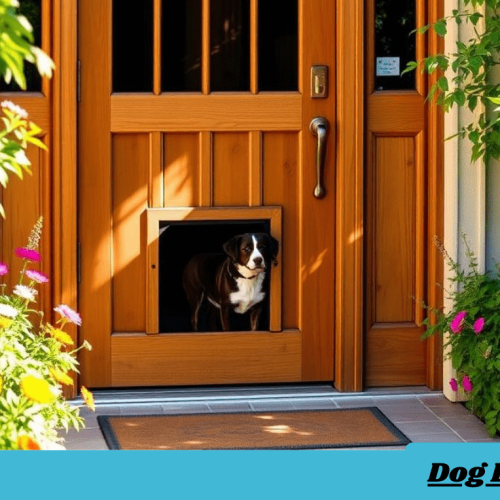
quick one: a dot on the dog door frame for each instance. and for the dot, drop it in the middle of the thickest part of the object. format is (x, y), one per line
(204, 214)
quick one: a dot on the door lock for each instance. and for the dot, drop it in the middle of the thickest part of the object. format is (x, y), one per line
(319, 82)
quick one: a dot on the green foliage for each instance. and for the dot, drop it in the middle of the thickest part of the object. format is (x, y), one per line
(475, 351)
(471, 66)
(34, 361)
(16, 48)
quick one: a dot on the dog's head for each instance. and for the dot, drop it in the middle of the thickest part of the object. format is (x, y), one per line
(255, 251)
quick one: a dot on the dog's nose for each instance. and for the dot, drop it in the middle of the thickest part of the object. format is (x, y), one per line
(258, 261)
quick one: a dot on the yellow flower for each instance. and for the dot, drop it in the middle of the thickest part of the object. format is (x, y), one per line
(61, 336)
(24, 442)
(5, 322)
(88, 398)
(37, 389)
(61, 376)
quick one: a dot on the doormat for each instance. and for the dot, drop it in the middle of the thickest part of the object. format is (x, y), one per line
(276, 430)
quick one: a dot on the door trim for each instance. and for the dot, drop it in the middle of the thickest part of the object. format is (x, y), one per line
(349, 201)
(64, 162)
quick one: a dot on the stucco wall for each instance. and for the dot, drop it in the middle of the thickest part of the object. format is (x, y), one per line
(468, 209)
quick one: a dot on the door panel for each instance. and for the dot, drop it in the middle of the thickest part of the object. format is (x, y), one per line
(396, 209)
(237, 148)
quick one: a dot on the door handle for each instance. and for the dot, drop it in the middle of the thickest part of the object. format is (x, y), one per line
(319, 128)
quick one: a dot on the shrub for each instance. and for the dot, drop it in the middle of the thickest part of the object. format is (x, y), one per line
(473, 325)
(34, 362)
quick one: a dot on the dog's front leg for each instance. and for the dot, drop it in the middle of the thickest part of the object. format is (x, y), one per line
(254, 316)
(225, 312)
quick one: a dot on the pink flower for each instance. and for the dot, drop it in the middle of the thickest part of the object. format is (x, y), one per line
(28, 254)
(467, 384)
(458, 322)
(478, 325)
(37, 276)
(4, 269)
(68, 314)
(454, 385)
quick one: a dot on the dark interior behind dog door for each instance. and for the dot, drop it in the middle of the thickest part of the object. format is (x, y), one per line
(179, 242)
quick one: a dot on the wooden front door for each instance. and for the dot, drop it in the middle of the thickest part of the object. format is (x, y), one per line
(204, 105)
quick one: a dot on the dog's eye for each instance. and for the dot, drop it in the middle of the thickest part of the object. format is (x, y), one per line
(247, 249)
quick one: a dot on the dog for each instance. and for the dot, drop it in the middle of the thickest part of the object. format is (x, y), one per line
(231, 281)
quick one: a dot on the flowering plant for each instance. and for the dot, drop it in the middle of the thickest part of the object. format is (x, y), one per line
(35, 361)
(473, 325)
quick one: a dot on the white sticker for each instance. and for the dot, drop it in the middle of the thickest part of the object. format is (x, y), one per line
(388, 66)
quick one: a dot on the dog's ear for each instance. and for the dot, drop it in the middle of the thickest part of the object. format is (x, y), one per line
(275, 246)
(232, 247)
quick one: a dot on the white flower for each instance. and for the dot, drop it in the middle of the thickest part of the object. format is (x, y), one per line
(25, 292)
(14, 108)
(8, 311)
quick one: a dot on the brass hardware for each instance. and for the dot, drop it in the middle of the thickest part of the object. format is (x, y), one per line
(319, 82)
(319, 128)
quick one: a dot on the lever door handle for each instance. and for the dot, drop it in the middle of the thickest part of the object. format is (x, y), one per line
(319, 128)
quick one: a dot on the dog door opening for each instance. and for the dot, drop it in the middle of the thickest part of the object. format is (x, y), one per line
(179, 242)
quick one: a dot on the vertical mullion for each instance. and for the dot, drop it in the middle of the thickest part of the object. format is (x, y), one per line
(205, 56)
(254, 46)
(157, 47)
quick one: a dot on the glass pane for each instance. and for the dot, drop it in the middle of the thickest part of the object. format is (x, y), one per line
(133, 45)
(181, 46)
(394, 46)
(32, 10)
(278, 45)
(230, 45)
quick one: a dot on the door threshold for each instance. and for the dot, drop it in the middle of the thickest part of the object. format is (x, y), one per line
(232, 393)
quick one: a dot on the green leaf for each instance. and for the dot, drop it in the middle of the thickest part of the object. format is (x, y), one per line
(440, 27)
(443, 84)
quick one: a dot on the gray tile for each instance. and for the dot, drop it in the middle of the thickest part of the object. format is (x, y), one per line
(495, 440)
(401, 409)
(107, 410)
(399, 417)
(451, 411)
(473, 433)
(442, 437)
(353, 402)
(423, 427)
(173, 408)
(87, 444)
(435, 400)
(141, 410)
(396, 400)
(229, 407)
(314, 404)
(272, 405)
(469, 423)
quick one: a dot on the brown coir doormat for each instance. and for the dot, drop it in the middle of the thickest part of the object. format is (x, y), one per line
(309, 429)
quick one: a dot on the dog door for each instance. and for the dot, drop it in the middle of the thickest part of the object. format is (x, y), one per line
(175, 236)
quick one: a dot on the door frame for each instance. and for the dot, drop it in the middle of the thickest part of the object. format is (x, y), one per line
(349, 144)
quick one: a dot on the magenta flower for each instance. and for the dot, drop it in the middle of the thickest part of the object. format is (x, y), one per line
(453, 385)
(467, 384)
(37, 276)
(4, 269)
(478, 325)
(458, 322)
(69, 314)
(28, 254)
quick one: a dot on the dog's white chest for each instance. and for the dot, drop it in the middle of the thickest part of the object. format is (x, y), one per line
(248, 294)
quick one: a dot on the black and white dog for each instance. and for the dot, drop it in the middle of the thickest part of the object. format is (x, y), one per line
(233, 281)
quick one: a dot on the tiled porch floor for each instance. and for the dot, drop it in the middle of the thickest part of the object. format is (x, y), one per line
(424, 416)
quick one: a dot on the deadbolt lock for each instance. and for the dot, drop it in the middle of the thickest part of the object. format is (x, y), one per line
(319, 82)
